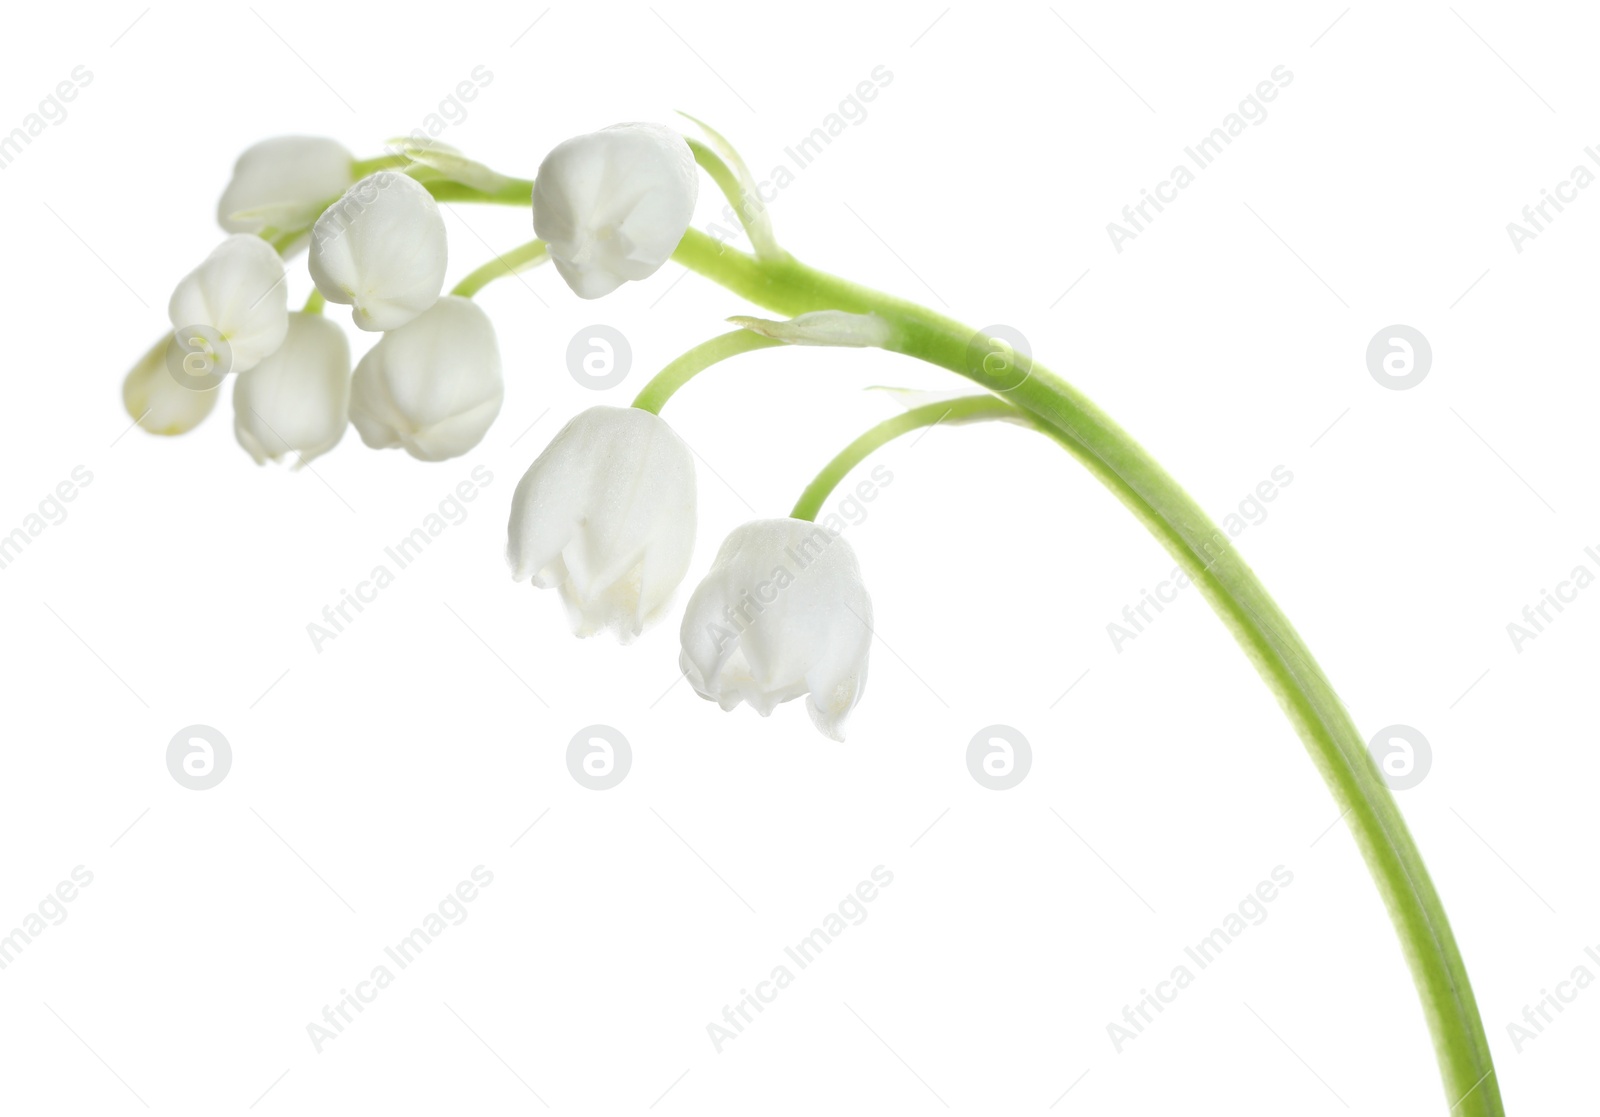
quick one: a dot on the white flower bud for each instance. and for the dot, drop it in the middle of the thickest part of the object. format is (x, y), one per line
(381, 249)
(297, 401)
(155, 399)
(282, 184)
(607, 515)
(237, 301)
(782, 612)
(433, 386)
(613, 204)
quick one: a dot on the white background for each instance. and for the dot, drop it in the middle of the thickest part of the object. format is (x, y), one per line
(369, 778)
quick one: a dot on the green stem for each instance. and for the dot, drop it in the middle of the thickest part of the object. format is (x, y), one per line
(654, 395)
(517, 192)
(748, 209)
(963, 410)
(520, 258)
(1204, 551)
(361, 168)
(723, 175)
(314, 302)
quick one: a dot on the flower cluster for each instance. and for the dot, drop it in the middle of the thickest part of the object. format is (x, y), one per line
(432, 382)
(606, 514)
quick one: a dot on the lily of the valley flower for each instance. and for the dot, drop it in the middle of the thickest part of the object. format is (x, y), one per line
(237, 300)
(432, 386)
(607, 515)
(613, 204)
(284, 183)
(155, 399)
(381, 250)
(297, 401)
(782, 612)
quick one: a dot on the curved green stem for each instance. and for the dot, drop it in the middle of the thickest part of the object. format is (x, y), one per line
(520, 258)
(723, 175)
(963, 410)
(654, 395)
(748, 209)
(314, 302)
(1207, 555)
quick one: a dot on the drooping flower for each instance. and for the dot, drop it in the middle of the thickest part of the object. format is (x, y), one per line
(432, 386)
(782, 612)
(613, 204)
(157, 401)
(607, 516)
(297, 401)
(236, 303)
(381, 249)
(282, 184)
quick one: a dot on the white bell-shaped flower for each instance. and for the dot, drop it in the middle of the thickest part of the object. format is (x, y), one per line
(297, 401)
(381, 250)
(433, 386)
(282, 184)
(613, 204)
(235, 305)
(782, 612)
(157, 401)
(607, 515)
